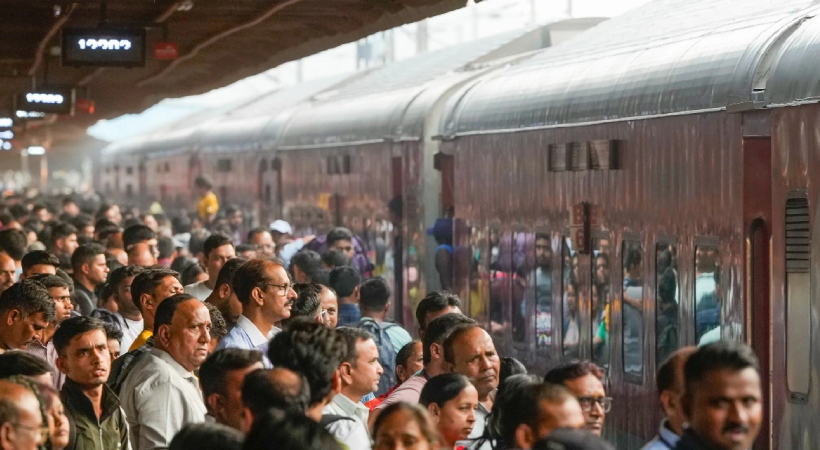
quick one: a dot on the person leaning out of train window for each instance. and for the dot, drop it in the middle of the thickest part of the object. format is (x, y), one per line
(723, 399)
(208, 205)
(583, 379)
(670, 391)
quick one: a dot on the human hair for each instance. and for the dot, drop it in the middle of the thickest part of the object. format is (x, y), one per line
(196, 244)
(452, 337)
(203, 181)
(147, 281)
(289, 432)
(322, 277)
(18, 212)
(720, 355)
(72, 327)
(191, 272)
(82, 220)
(632, 257)
(509, 367)
(352, 337)
(396, 206)
(334, 257)
(117, 276)
(207, 436)
(253, 274)
(439, 329)
(49, 281)
(505, 394)
(433, 302)
(67, 278)
(374, 294)
(312, 350)
(113, 331)
(9, 412)
(104, 207)
(215, 241)
(339, 234)
(219, 327)
(85, 254)
(667, 285)
(344, 280)
(308, 300)
(14, 243)
(573, 370)
(19, 362)
(261, 390)
(167, 309)
(241, 248)
(522, 407)
(61, 230)
(166, 248)
(104, 228)
(419, 414)
(228, 271)
(135, 234)
(307, 261)
(214, 371)
(28, 297)
(255, 231)
(442, 388)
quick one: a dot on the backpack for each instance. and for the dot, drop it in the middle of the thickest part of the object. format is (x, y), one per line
(387, 354)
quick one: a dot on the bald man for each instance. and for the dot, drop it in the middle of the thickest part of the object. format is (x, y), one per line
(670, 383)
(21, 424)
(8, 272)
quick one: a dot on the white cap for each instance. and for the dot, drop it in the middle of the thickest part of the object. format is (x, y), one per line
(281, 226)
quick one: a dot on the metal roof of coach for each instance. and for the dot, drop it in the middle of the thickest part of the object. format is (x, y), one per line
(667, 57)
(794, 78)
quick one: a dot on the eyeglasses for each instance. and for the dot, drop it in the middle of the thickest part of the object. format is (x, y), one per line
(42, 432)
(322, 314)
(283, 288)
(588, 402)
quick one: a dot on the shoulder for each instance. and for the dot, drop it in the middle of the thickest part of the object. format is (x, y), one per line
(409, 391)
(151, 372)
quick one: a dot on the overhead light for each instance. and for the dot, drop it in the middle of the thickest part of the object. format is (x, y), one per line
(8, 134)
(36, 150)
(186, 5)
(30, 114)
(6, 145)
(58, 10)
(6, 122)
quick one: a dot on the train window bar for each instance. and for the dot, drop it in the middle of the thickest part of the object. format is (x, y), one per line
(798, 295)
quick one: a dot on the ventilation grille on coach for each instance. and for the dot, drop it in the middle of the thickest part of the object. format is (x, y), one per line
(798, 235)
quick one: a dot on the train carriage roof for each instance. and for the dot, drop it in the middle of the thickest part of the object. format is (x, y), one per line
(795, 77)
(667, 57)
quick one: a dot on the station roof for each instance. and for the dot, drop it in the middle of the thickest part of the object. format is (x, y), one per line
(220, 42)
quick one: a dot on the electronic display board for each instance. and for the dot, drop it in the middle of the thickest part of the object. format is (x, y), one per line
(104, 47)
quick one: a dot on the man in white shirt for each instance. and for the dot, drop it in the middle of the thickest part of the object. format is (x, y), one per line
(122, 304)
(161, 395)
(218, 250)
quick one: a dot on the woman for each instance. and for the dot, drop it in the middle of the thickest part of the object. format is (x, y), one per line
(451, 401)
(404, 426)
(59, 428)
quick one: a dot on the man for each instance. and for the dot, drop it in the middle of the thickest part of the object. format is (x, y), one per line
(330, 304)
(223, 295)
(140, 242)
(286, 246)
(246, 252)
(141, 255)
(308, 303)
(235, 219)
(218, 250)
(13, 243)
(342, 239)
(304, 264)
(162, 394)
(70, 207)
(89, 271)
(208, 205)
(92, 407)
(26, 308)
(263, 241)
(148, 290)
(113, 336)
(43, 345)
(39, 261)
(669, 381)
(8, 272)
(359, 372)
(278, 388)
(583, 379)
(723, 400)
(63, 242)
(18, 362)
(540, 408)
(469, 351)
(267, 296)
(435, 304)
(345, 282)
(21, 422)
(222, 376)
(122, 304)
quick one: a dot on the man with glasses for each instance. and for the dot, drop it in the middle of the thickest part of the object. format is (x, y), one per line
(266, 293)
(262, 240)
(583, 379)
(21, 423)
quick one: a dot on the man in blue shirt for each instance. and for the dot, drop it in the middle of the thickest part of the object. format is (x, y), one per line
(345, 281)
(670, 382)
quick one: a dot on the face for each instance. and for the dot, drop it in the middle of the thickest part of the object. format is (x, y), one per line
(28, 432)
(586, 389)
(58, 426)
(235, 219)
(476, 359)
(113, 214)
(264, 243)
(71, 208)
(455, 420)
(62, 302)
(227, 408)
(602, 270)
(248, 255)
(188, 336)
(706, 259)
(114, 349)
(413, 364)
(543, 253)
(277, 301)
(68, 244)
(401, 431)
(141, 255)
(218, 257)
(22, 330)
(346, 247)
(726, 409)
(150, 222)
(41, 268)
(86, 360)
(98, 270)
(363, 377)
(125, 301)
(572, 299)
(331, 305)
(168, 287)
(7, 272)
(88, 231)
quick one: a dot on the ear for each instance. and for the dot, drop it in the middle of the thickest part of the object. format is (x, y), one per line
(12, 316)
(85, 269)
(145, 300)
(435, 412)
(336, 385)
(436, 351)
(256, 296)
(666, 401)
(355, 293)
(213, 403)
(224, 291)
(164, 335)
(345, 370)
(246, 421)
(387, 307)
(524, 437)
(62, 364)
(7, 436)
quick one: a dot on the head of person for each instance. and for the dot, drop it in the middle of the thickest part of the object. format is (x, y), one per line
(409, 360)
(21, 419)
(435, 304)
(70, 207)
(263, 285)
(289, 432)
(18, 362)
(150, 221)
(182, 328)
(308, 302)
(219, 327)
(225, 299)
(330, 305)
(59, 427)
(570, 439)
(26, 308)
(405, 426)
(218, 250)
(509, 367)
(278, 388)
(63, 239)
(207, 436)
(534, 410)
(120, 281)
(221, 377)
(438, 331)
(469, 351)
(360, 371)
(247, 252)
(139, 233)
(150, 288)
(39, 261)
(262, 241)
(89, 265)
(234, 216)
(451, 400)
(583, 379)
(543, 251)
(140, 255)
(109, 211)
(194, 273)
(305, 263)
(334, 258)
(670, 384)
(60, 293)
(341, 239)
(196, 244)
(8, 272)
(13, 242)
(84, 224)
(345, 282)
(113, 336)
(314, 351)
(167, 249)
(374, 296)
(82, 347)
(203, 185)
(723, 398)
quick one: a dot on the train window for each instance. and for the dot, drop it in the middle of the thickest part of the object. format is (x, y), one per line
(167, 166)
(632, 311)
(500, 277)
(129, 190)
(223, 165)
(571, 319)
(707, 294)
(543, 290)
(798, 300)
(667, 315)
(129, 170)
(522, 249)
(600, 304)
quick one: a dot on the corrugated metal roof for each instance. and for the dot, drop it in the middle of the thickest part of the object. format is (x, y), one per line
(794, 77)
(670, 56)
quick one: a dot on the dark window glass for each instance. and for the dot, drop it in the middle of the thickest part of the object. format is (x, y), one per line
(632, 308)
(600, 304)
(707, 294)
(571, 319)
(543, 290)
(667, 301)
(224, 165)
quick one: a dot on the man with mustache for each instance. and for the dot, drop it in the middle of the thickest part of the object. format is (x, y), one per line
(26, 309)
(583, 379)
(161, 394)
(722, 402)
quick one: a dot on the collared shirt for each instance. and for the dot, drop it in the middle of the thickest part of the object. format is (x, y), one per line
(349, 315)
(354, 433)
(690, 441)
(108, 432)
(665, 440)
(246, 335)
(198, 290)
(159, 398)
(141, 339)
(49, 354)
(131, 330)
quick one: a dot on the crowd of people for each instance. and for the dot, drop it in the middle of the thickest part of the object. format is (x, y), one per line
(133, 331)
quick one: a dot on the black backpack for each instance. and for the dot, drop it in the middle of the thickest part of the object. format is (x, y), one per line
(387, 354)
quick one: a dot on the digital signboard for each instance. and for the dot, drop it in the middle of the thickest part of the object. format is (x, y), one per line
(47, 100)
(104, 47)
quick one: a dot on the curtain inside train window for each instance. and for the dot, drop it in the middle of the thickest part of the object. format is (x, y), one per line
(798, 300)
(707, 294)
(632, 311)
(667, 302)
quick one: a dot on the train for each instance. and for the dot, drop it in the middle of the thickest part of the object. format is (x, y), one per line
(646, 185)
